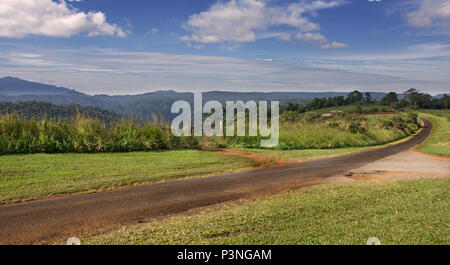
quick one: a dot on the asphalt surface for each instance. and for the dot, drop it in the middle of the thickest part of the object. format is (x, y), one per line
(41, 222)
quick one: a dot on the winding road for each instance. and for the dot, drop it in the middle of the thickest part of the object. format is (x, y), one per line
(41, 222)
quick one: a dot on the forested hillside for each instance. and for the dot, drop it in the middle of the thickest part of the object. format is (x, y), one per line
(39, 110)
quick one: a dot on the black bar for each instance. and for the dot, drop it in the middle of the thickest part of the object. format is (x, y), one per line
(226, 254)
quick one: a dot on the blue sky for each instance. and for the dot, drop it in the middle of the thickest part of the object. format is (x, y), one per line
(130, 47)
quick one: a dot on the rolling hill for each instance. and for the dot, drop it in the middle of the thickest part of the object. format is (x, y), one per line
(142, 106)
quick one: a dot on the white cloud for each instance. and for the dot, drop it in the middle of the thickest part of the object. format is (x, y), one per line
(114, 72)
(335, 45)
(414, 52)
(20, 18)
(154, 31)
(423, 66)
(311, 37)
(240, 20)
(431, 13)
(285, 37)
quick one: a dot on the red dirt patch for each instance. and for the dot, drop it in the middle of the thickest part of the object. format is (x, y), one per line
(261, 160)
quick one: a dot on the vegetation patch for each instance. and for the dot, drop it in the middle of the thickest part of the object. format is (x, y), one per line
(311, 130)
(83, 134)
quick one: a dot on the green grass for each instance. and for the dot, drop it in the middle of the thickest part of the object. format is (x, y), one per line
(36, 176)
(439, 141)
(437, 112)
(403, 212)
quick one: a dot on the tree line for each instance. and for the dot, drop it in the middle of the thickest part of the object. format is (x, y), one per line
(44, 110)
(412, 98)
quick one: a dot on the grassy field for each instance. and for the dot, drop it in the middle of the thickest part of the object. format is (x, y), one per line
(439, 142)
(437, 112)
(402, 212)
(309, 131)
(36, 176)
(337, 133)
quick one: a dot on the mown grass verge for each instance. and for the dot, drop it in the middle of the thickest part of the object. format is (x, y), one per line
(37, 176)
(402, 212)
(439, 141)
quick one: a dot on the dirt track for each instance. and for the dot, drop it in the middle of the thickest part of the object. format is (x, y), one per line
(44, 221)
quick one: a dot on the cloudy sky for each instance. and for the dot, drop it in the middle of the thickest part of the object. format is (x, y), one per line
(134, 46)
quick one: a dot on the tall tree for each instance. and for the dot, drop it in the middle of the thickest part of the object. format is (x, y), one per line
(390, 99)
(354, 97)
(368, 98)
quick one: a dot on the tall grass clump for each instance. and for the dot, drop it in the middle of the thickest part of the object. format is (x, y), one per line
(85, 135)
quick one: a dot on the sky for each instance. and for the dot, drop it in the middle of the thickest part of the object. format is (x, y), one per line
(136, 46)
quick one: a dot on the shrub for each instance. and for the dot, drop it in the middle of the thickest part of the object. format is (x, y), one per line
(356, 124)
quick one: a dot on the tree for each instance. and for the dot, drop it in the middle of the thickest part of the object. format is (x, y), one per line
(390, 99)
(445, 101)
(368, 98)
(354, 97)
(418, 100)
(340, 101)
(412, 97)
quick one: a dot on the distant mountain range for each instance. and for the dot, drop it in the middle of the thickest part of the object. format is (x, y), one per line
(141, 106)
(10, 86)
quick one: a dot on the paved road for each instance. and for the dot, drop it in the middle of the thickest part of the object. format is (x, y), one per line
(43, 221)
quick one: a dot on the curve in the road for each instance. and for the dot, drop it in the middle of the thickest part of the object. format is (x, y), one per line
(43, 221)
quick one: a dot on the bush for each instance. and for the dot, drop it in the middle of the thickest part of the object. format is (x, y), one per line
(356, 124)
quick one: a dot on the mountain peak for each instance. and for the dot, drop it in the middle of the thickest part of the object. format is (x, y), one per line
(13, 86)
(10, 78)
